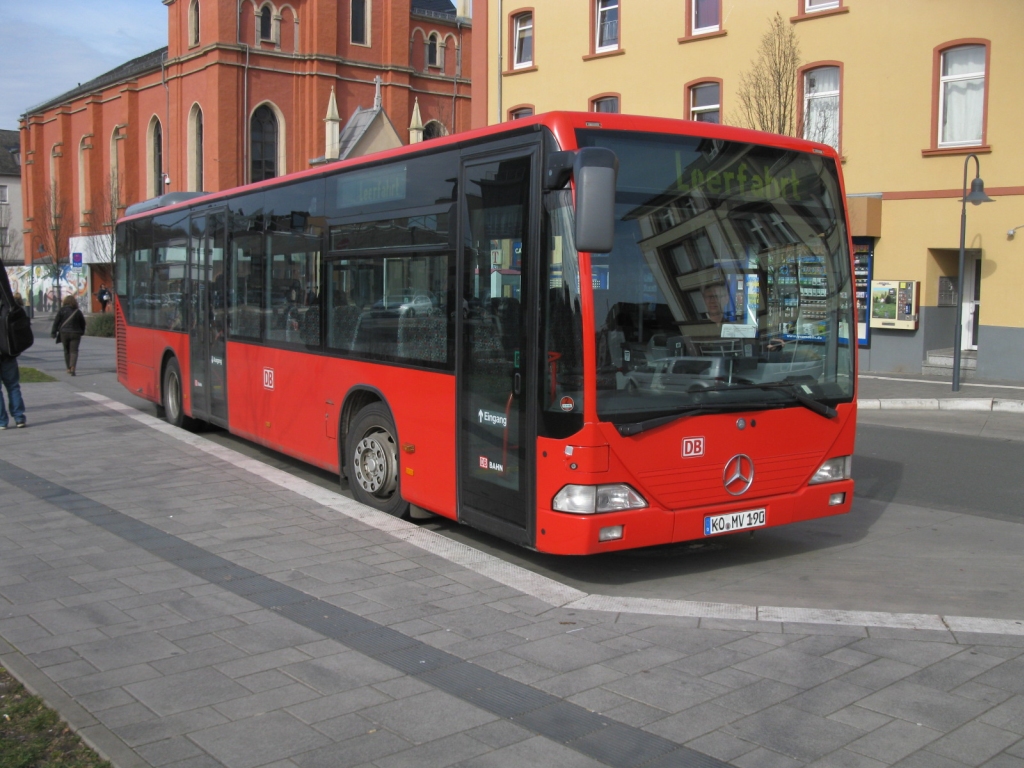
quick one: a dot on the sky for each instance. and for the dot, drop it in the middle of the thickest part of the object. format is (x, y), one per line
(48, 47)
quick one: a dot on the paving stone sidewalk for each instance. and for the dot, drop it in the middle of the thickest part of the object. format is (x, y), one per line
(180, 610)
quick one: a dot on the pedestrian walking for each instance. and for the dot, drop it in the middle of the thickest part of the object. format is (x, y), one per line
(68, 329)
(104, 297)
(15, 337)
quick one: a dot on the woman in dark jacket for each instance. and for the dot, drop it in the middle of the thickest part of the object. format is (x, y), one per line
(69, 325)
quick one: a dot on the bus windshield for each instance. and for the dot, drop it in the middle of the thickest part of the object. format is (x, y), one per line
(729, 283)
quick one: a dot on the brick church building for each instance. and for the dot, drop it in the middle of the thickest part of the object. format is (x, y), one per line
(245, 90)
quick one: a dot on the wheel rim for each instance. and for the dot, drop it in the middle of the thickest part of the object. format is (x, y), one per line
(375, 463)
(173, 395)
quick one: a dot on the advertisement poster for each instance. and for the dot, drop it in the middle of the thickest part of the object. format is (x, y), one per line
(894, 304)
(39, 284)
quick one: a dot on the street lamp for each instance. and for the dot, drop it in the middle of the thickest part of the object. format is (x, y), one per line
(976, 197)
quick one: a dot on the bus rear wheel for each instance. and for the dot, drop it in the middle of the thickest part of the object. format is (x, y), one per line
(372, 465)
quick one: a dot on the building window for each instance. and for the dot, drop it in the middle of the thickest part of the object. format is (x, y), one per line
(810, 6)
(434, 130)
(706, 103)
(962, 96)
(360, 23)
(518, 113)
(432, 50)
(157, 160)
(195, 149)
(4, 237)
(3, 194)
(607, 25)
(193, 23)
(523, 40)
(605, 104)
(821, 106)
(266, 23)
(264, 144)
(706, 16)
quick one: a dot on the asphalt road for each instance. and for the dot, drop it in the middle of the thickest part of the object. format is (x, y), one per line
(935, 528)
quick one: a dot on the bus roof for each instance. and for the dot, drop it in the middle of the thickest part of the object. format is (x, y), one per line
(563, 126)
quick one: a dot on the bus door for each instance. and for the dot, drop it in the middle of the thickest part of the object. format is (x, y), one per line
(496, 389)
(207, 317)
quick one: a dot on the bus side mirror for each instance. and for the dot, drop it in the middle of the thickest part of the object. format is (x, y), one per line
(595, 170)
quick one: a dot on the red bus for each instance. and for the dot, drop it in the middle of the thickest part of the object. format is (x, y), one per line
(578, 332)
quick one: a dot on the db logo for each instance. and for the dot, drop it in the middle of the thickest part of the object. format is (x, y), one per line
(692, 447)
(483, 462)
(268, 378)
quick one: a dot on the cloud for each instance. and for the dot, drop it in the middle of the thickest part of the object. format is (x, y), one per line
(47, 49)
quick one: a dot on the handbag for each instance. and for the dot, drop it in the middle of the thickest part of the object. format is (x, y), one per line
(66, 321)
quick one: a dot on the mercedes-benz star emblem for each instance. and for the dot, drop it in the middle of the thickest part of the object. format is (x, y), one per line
(738, 474)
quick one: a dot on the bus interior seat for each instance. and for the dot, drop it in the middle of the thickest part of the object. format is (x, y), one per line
(309, 327)
(424, 337)
(344, 327)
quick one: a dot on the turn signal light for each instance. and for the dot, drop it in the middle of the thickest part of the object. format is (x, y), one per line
(589, 499)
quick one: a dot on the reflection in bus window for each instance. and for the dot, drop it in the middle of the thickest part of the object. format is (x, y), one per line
(292, 289)
(728, 254)
(393, 308)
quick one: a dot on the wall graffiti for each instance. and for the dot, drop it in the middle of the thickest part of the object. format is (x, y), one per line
(47, 291)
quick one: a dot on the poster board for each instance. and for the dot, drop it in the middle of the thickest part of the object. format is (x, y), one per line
(894, 304)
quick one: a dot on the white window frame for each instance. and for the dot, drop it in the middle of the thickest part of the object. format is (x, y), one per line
(809, 97)
(601, 8)
(944, 79)
(711, 27)
(194, 15)
(605, 99)
(522, 23)
(814, 6)
(695, 110)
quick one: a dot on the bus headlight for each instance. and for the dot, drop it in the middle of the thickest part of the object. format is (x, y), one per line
(838, 468)
(588, 499)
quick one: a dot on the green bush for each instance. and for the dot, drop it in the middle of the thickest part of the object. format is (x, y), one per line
(100, 325)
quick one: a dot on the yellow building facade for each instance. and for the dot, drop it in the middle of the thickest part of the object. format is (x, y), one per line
(906, 91)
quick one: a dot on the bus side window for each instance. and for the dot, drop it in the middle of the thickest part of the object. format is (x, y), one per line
(141, 274)
(246, 286)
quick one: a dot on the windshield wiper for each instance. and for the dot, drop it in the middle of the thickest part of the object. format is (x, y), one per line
(789, 387)
(799, 392)
(636, 427)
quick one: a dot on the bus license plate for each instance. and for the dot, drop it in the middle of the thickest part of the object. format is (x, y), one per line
(734, 521)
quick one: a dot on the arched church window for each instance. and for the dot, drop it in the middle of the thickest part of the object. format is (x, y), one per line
(264, 136)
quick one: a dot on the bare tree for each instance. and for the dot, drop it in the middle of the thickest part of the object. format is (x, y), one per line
(56, 233)
(103, 221)
(444, 114)
(10, 242)
(768, 90)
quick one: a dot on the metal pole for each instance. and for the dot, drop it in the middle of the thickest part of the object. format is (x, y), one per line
(958, 325)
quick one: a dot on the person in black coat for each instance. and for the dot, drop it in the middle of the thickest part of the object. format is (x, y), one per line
(9, 372)
(68, 328)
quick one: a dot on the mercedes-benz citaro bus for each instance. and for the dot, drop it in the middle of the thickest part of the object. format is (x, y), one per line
(578, 332)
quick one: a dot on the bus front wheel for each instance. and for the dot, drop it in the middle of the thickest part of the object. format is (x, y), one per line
(173, 407)
(372, 465)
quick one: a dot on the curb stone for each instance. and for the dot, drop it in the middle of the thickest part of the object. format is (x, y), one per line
(941, 404)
